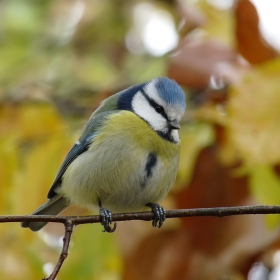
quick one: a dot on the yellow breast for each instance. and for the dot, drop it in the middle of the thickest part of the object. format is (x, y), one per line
(114, 169)
(133, 129)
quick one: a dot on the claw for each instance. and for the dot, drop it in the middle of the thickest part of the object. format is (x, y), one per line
(159, 214)
(106, 219)
(109, 228)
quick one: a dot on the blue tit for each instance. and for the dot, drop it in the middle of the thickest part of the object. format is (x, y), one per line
(126, 158)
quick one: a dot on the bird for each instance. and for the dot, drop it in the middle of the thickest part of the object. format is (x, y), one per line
(126, 158)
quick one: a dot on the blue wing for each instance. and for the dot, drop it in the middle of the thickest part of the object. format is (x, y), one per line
(80, 147)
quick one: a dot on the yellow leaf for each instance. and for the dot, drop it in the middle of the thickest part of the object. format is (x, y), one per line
(265, 186)
(38, 120)
(8, 168)
(254, 115)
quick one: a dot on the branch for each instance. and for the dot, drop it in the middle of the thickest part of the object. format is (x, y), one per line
(70, 221)
(64, 252)
(148, 216)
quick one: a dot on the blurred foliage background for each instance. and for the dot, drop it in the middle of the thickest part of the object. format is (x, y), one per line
(60, 59)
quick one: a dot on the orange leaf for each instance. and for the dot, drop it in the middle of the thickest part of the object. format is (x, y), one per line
(250, 43)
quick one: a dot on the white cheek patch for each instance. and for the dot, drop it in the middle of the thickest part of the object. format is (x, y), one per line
(143, 109)
(151, 90)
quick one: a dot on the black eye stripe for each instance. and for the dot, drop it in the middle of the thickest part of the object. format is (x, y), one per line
(159, 109)
(155, 105)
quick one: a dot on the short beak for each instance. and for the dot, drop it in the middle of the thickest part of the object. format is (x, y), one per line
(174, 124)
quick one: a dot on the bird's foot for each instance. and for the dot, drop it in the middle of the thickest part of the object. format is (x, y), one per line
(106, 220)
(159, 214)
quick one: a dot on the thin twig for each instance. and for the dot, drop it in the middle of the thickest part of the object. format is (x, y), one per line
(64, 252)
(147, 216)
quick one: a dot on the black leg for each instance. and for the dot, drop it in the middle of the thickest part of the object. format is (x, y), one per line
(106, 219)
(159, 212)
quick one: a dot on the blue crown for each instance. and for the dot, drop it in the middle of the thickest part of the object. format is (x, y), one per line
(170, 91)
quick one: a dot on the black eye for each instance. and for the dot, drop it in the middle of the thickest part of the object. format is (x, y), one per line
(159, 109)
